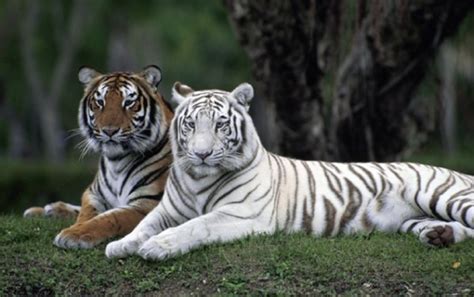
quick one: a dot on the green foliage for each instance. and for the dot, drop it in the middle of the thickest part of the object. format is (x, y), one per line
(190, 40)
(197, 45)
(381, 264)
(462, 161)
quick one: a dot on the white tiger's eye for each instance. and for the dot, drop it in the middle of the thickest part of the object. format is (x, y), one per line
(220, 125)
(191, 125)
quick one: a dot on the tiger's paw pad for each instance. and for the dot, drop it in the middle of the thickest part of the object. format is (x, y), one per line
(74, 239)
(438, 236)
(122, 248)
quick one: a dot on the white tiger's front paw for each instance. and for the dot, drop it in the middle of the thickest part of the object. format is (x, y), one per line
(164, 245)
(124, 247)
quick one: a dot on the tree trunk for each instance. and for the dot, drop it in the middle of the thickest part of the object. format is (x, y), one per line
(372, 118)
(281, 38)
(447, 65)
(371, 114)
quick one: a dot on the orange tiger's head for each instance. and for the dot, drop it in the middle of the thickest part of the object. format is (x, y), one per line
(122, 112)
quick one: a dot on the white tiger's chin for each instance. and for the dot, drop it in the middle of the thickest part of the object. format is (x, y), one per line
(204, 170)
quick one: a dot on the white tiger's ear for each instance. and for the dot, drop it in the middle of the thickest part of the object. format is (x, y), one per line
(152, 75)
(179, 92)
(86, 74)
(243, 94)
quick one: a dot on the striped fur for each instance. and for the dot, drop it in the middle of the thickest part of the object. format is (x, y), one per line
(239, 188)
(123, 117)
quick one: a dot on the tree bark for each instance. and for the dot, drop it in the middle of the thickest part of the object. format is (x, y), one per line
(448, 128)
(371, 115)
(281, 38)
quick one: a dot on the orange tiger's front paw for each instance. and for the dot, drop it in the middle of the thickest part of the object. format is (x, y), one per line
(76, 237)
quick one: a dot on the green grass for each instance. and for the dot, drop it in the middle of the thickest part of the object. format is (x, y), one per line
(281, 264)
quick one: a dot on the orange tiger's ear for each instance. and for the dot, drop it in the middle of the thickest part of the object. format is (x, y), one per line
(86, 74)
(152, 75)
(179, 92)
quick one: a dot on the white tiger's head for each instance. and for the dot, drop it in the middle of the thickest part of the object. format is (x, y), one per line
(212, 131)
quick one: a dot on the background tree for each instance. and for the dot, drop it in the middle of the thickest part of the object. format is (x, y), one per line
(45, 94)
(369, 116)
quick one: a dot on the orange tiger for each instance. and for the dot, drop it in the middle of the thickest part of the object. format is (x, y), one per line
(124, 118)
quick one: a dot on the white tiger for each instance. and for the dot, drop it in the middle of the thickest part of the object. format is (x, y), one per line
(224, 185)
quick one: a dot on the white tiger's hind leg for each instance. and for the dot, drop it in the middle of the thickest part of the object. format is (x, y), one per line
(209, 228)
(461, 209)
(437, 233)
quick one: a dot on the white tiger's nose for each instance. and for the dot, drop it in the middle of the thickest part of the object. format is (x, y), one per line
(203, 155)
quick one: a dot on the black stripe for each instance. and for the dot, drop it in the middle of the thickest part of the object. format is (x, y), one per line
(431, 179)
(149, 178)
(440, 190)
(245, 197)
(327, 174)
(353, 206)
(145, 156)
(232, 190)
(178, 209)
(102, 201)
(179, 190)
(412, 225)
(156, 197)
(369, 174)
(352, 169)
(464, 216)
(104, 176)
(418, 184)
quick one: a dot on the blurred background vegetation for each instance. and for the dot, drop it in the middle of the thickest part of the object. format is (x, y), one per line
(43, 44)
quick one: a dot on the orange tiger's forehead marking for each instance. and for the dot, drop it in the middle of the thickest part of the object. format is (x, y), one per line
(113, 113)
(110, 97)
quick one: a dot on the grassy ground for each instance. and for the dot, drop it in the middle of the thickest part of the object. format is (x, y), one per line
(381, 264)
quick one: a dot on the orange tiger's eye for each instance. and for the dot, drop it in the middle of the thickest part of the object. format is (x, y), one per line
(136, 107)
(93, 105)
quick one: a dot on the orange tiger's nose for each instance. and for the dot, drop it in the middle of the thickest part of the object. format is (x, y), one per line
(110, 131)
